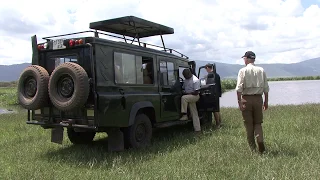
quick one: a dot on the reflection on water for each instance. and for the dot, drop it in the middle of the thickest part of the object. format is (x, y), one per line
(282, 93)
(5, 111)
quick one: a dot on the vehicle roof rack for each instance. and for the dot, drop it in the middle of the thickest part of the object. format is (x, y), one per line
(131, 26)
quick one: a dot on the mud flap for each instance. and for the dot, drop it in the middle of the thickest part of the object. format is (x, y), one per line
(115, 140)
(57, 135)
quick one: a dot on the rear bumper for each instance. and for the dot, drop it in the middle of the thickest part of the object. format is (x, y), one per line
(51, 121)
(61, 124)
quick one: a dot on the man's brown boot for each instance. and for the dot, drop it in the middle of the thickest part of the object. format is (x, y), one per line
(261, 147)
(252, 146)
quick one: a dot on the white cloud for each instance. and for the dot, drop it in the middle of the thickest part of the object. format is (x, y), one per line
(222, 30)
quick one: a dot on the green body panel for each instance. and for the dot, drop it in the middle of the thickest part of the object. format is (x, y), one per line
(35, 53)
(116, 102)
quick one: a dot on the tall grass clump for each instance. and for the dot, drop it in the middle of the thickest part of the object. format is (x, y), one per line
(8, 84)
(8, 96)
(294, 78)
(228, 84)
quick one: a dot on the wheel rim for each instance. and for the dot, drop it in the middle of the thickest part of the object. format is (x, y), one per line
(141, 132)
(30, 87)
(65, 86)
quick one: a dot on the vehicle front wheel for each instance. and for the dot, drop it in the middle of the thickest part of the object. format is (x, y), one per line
(80, 137)
(140, 133)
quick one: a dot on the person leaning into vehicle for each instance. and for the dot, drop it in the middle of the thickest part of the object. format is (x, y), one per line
(190, 96)
(216, 113)
(251, 84)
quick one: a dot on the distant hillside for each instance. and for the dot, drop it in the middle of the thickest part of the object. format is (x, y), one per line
(305, 68)
(11, 72)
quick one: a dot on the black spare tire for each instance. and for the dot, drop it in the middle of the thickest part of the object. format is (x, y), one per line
(68, 86)
(33, 87)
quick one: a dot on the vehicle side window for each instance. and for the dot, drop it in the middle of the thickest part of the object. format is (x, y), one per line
(132, 69)
(168, 74)
(125, 70)
(164, 73)
(171, 74)
(203, 73)
(146, 72)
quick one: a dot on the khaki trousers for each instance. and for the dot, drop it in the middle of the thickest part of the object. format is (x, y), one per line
(191, 100)
(253, 118)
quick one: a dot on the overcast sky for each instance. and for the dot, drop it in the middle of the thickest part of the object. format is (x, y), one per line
(278, 31)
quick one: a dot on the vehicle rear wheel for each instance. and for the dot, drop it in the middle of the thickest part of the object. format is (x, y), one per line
(33, 87)
(80, 137)
(69, 86)
(140, 133)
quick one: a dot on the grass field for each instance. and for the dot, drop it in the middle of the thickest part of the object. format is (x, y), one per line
(291, 134)
(8, 96)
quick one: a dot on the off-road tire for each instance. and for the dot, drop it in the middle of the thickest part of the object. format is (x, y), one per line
(80, 137)
(77, 78)
(132, 139)
(35, 95)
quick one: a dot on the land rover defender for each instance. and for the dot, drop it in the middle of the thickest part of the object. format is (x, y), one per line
(89, 84)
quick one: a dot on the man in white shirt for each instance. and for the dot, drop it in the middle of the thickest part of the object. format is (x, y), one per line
(251, 84)
(191, 88)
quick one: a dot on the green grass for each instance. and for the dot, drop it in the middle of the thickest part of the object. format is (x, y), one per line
(295, 78)
(228, 84)
(291, 135)
(8, 96)
(8, 84)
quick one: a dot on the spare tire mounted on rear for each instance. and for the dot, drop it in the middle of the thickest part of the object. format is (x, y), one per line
(33, 87)
(68, 86)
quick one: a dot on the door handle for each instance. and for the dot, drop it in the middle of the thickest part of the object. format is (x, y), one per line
(164, 100)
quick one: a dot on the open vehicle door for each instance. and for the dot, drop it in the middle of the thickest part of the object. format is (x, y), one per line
(208, 92)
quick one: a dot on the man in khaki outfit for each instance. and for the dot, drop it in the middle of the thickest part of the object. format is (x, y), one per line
(251, 84)
(190, 96)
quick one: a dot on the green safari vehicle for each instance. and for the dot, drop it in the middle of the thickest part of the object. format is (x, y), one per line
(121, 86)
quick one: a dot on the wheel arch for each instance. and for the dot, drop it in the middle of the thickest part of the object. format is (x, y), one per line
(143, 107)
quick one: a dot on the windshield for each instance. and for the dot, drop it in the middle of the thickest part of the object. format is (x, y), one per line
(52, 59)
(59, 60)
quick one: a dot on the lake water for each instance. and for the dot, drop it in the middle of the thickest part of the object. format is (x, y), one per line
(283, 93)
(5, 111)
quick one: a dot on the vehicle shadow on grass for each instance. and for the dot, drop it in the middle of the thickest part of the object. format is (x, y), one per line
(165, 140)
(280, 151)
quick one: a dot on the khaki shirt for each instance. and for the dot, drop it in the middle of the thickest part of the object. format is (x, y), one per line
(252, 80)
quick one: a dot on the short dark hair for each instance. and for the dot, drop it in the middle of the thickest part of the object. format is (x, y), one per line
(187, 73)
(209, 65)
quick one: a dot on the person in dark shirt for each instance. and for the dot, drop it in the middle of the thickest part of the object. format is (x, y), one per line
(216, 113)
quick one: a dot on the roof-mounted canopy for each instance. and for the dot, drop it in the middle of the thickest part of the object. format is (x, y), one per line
(131, 26)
